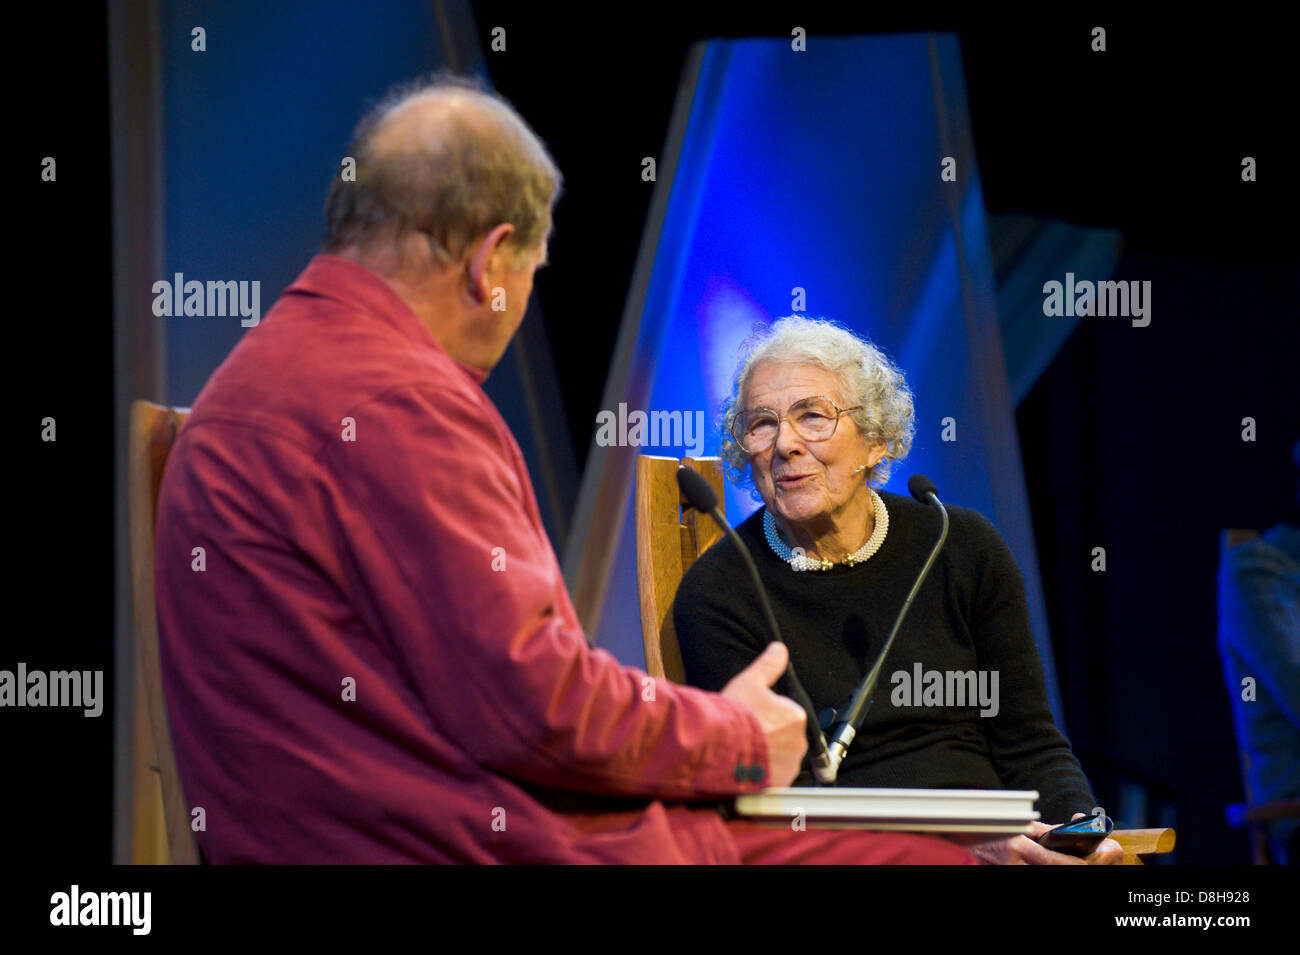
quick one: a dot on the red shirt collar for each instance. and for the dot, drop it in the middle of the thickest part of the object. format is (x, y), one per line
(343, 280)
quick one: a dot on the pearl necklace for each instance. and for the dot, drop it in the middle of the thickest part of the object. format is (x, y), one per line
(802, 562)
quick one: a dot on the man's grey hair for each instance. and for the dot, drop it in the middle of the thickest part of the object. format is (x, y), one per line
(465, 172)
(867, 378)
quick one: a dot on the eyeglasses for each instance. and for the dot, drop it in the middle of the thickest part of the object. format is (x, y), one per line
(813, 419)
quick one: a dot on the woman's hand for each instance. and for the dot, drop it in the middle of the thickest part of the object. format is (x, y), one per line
(1023, 850)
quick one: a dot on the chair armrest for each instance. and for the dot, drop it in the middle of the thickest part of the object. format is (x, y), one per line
(1140, 842)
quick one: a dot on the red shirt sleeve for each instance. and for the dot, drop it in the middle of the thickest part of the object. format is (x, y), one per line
(452, 563)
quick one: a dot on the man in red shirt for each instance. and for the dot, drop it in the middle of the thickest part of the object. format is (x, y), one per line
(368, 651)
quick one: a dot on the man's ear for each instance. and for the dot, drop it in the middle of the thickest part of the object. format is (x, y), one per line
(486, 260)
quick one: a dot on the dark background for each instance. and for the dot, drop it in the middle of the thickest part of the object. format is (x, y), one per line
(1130, 440)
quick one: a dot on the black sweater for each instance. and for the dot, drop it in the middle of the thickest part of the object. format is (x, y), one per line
(970, 615)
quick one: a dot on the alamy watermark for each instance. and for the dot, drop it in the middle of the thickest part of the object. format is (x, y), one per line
(1085, 299)
(923, 687)
(84, 688)
(211, 299)
(75, 907)
(656, 429)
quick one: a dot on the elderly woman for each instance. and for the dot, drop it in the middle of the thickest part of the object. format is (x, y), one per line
(817, 418)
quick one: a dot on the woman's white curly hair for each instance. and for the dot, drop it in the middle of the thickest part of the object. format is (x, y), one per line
(868, 378)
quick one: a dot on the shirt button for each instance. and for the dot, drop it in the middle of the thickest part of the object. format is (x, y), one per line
(740, 772)
(756, 773)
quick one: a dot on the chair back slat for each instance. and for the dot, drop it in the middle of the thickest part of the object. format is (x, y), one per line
(670, 535)
(153, 430)
(704, 529)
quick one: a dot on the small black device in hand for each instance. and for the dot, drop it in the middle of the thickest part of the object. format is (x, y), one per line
(1080, 837)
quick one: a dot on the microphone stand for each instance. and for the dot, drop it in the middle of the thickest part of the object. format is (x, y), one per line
(851, 717)
(697, 490)
(819, 755)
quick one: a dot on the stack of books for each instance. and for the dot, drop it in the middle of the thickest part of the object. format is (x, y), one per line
(995, 813)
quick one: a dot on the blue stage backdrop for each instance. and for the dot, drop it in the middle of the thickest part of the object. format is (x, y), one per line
(821, 171)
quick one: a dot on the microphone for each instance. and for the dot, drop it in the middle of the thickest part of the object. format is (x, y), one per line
(922, 488)
(852, 716)
(700, 495)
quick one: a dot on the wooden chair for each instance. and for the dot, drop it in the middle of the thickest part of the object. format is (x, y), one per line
(1251, 814)
(1255, 816)
(160, 806)
(670, 534)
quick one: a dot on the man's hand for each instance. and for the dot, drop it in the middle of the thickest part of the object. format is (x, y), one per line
(1023, 850)
(783, 720)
